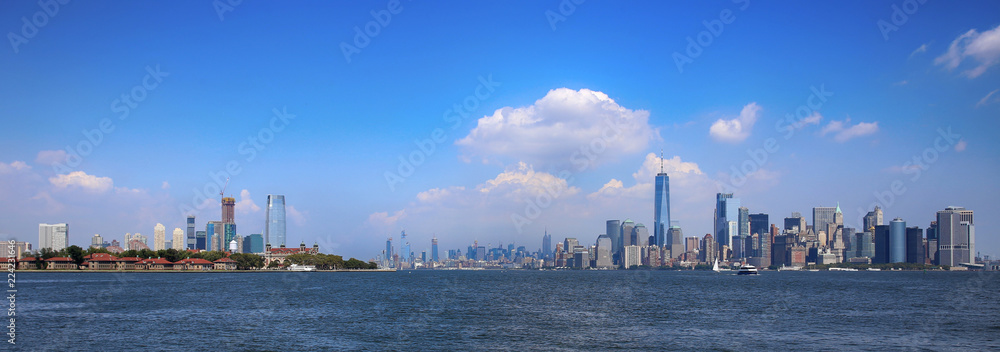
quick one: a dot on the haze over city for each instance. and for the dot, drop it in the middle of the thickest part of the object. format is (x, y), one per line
(545, 117)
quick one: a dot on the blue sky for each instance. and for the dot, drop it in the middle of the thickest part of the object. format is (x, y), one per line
(554, 87)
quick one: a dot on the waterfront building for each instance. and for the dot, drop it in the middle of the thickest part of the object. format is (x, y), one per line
(279, 254)
(956, 236)
(872, 219)
(614, 231)
(865, 247)
(53, 236)
(60, 263)
(192, 241)
(603, 252)
(274, 230)
(727, 212)
(253, 243)
(915, 245)
(97, 241)
(159, 237)
(434, 250)
(178, 241)
(632, 256)
(881, 241)
(661, 207)
(224, 264)
(897, 241)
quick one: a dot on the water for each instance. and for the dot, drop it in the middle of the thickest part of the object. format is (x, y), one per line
(508, 310)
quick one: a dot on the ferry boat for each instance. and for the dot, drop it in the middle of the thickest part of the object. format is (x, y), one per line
(747, 269)
(296, 267)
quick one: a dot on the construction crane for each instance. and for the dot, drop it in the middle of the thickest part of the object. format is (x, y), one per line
(221, 194)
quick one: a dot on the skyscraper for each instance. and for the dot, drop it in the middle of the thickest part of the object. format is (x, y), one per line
(274, 230)
(434, 250)
(54, 236)
(675, 241)
(603, 255)
(201, 242)
(872, 219)
(897, 241)
(159, 237)
(822, 216)
(881, 244)
(758, 223)
(626, 230)
(614, 231)
(253, 243)
(795, 223)
(405, 254)
(228, 211)
(191, 239)
(178, 241)
(228, 233)
(546, 246)
(97, 241)
(213, 231)
(727, 211)
(915, 245)
(640, 235)
(956, 236)
(661, 207)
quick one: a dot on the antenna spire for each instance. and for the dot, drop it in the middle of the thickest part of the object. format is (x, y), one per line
(661, 160)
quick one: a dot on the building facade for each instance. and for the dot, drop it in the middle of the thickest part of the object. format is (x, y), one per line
(274, 230)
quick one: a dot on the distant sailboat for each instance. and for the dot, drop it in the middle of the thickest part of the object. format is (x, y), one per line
(715, 267)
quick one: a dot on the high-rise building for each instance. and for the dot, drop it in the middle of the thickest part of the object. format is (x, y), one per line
(872, 219)
(253, 243)
(915, 245)
(546, 246)
(434, 250)
(744, 222)
(691, 244)
(228, 211)
(709, 251)
(727, 212)
(627, 227)
(795, 223)
(640, 235)
(159, 237)
(865, 247)
(201, 242)
(661, 207)
(614, 231)
(881, 244)
(822, 216)
(897, 241)
(239, 244)
(213, 231)
(603, 252)
(956, 236)
(758, 223)
(192, 241)
(405, 253)
(53, 236)
(97, 241)
(274, 230)
(229, 232)
(388, 252)
(675, 242)
(178, 241)
(632, 256)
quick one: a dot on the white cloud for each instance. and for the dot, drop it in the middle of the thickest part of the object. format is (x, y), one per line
(298, 217)
(844, 131)
(922, 49)
(737, 129)
(961, 145)
(549, 133)
(384, 219)
(901, 83)
(683, 175)
(13, 167)
(988, 99)
(80, 179)
(246, 204)
(983, 48)
(812, 119)
(166, 185)
(524, 182)
(436, 194)
(49, 157)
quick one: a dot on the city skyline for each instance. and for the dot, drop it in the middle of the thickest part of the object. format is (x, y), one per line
(556, 126)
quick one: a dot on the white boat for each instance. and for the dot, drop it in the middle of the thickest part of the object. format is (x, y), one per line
(874, 269)
(843, 269)
(296, 267)
(716, 268)
(747, 269)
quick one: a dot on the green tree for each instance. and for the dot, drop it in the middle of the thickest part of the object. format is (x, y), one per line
(245, 261)
(76, 253)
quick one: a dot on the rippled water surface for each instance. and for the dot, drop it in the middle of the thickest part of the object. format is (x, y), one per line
(508, 310)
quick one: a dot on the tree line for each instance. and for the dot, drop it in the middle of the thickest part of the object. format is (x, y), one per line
(244, 261)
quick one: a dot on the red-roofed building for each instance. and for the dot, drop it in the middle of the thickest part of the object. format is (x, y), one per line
(61, 263)
(154, 264)
(279, 254)
(101, 261)
(27, 263)
(7, 263)
(195, 264)
(225, 264)
(126, 263)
